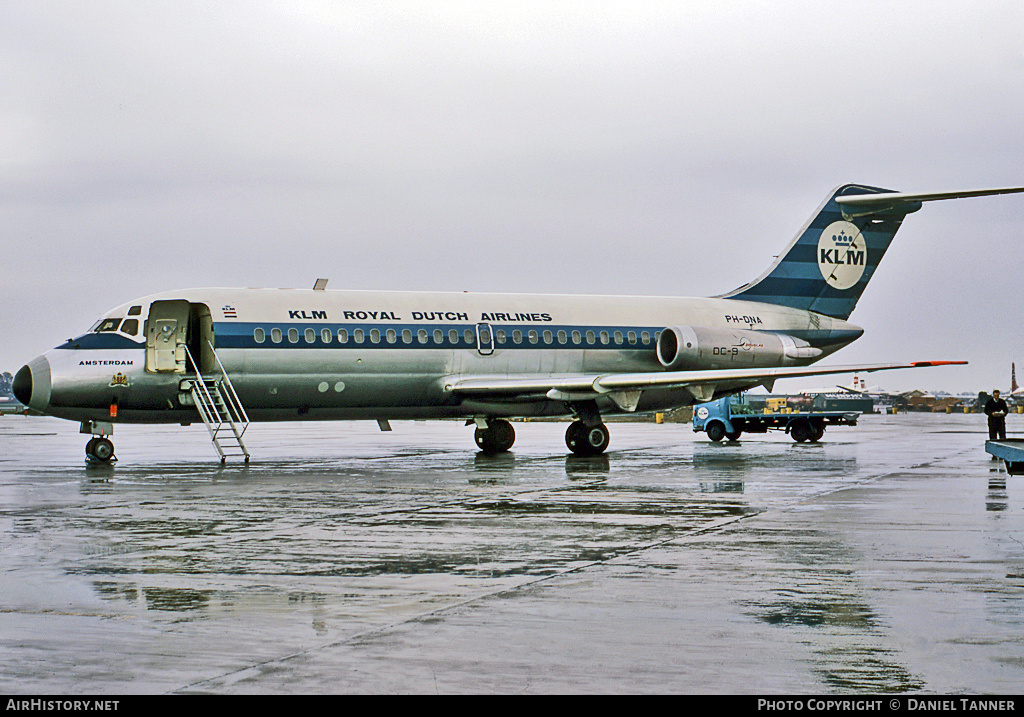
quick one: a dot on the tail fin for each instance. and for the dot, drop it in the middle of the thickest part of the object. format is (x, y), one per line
(831, 260)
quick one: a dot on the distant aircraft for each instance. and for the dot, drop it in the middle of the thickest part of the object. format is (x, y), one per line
(1015, 390)
(883, 400)
(228, 356)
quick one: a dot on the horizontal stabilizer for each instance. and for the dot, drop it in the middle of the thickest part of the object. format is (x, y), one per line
(889, 198)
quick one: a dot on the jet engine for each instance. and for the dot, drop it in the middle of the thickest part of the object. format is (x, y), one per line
(694, 347)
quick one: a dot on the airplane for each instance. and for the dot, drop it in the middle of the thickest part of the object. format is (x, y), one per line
(231, 356)
(883, 399)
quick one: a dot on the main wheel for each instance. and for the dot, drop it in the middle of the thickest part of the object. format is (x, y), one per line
(584, 440)
(498, 437)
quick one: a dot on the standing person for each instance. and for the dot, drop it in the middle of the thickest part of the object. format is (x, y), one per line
(996, 411)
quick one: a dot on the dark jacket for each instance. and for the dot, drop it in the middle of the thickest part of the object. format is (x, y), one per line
(995, 405)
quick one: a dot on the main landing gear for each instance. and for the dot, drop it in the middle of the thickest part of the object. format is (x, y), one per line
(584, 440)
(495, 436)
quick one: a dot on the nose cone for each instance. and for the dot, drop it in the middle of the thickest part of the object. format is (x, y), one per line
(32, 384)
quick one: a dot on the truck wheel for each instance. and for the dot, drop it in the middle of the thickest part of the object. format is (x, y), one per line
(735, 436)
(716, 431)
(801, 431)
(819, 431)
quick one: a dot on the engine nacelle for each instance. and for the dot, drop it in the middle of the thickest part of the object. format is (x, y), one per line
(695, 347)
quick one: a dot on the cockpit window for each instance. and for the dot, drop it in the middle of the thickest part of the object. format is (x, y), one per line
(130, 327)
(108, 325)
(134, 311)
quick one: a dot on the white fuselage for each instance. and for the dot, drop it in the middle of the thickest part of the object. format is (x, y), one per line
(304, 354)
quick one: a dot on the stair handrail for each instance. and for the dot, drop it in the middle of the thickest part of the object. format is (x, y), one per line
(204, 402)
(234, 403)
(199, 383)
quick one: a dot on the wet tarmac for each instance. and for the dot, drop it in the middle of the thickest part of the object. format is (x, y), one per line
(888, 558)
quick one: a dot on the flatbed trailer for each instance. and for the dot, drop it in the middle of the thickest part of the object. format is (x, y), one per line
(729, 418)
(1011, 451)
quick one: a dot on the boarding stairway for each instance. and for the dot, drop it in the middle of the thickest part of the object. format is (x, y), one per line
(220, 409)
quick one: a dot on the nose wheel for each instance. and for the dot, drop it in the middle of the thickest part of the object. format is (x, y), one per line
(99, 450)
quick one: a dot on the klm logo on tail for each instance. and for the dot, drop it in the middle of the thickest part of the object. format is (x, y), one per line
(842, 255)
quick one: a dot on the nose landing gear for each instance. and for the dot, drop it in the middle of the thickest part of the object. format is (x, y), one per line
(99, 449)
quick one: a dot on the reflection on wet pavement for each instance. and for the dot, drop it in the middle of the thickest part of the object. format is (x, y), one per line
(867, 562)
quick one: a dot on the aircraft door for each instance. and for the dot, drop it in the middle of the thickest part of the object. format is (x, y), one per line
(484, 339)
(167, 336)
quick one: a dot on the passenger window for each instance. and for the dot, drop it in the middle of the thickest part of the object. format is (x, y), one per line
(359, 335)
(501, 336)
(604, 337)
(375, 335)
(275, 335)
(645, 337)
(259, 335)
(392, 336)
(438, 336)
(532, 336)
(548, 337)
(618, 337)
(422, 336)
(130, 327)
(406, 336)
(577, 337)
(517, 336)
(468, 335)
(310, 336)
(342, 336)
(562, 338)
(453, 336)
(631, 337)
(293, 335)
(590, 337)
(326, 335)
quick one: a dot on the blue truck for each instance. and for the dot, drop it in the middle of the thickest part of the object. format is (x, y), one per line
(729, 417)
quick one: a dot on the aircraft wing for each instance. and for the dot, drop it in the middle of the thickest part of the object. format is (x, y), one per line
(625, 388)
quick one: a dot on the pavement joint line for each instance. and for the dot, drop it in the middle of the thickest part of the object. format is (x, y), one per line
(240, 674)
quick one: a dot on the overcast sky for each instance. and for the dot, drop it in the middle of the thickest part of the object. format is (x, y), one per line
(570, 147)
